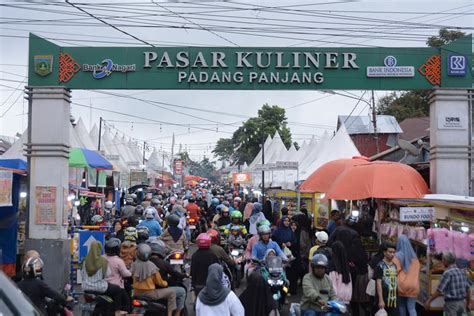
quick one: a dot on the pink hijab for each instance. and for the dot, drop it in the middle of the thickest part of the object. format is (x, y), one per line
(248, 211)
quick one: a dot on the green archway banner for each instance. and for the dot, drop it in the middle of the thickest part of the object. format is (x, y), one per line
(250, 68)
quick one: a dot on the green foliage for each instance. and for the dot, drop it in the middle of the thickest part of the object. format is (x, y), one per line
(414, 103)
(246, 140)
(444, 37)
(204, 168)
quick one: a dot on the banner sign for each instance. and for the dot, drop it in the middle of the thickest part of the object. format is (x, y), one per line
(138, 177)
(178, 167)
(45, 198)
(242, 178)
(417, 214)
(6, 187)
(250, 68)
(286, 165)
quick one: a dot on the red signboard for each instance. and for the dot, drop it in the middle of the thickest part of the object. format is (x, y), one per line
(242, 178)
(178, 167)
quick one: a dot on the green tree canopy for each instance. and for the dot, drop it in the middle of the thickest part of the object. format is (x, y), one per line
(414, 103)
(246, 140)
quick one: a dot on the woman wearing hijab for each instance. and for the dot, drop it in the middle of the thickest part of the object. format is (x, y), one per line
(95, 270)
(268, 210)
(286, 238)
(147, 280)
(339, 273)
(173, 236)
(215, 299)
(255, 217)
(257, 297)
(408, 270)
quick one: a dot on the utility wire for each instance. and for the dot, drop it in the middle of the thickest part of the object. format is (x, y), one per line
(109, 24)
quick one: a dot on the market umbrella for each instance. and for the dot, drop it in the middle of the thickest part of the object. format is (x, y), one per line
(378, 179)
(85, 158)
(323, 177)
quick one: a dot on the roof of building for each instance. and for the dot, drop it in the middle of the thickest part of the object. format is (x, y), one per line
(386, 124)
(416, 127)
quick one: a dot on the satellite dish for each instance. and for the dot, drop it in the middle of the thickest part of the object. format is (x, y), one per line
(408, 147)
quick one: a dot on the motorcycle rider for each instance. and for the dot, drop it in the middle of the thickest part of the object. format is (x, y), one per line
(200, 262)
(117, 268)
(224, 218)
(317, 288)
(150, 222)
(217, 249)
(202, 204)
(193, 209)
(236, 218)
(235, 236)
(260, 248)
(128, 209)
(37, 290)
(173, 236)
(138, 216)
(147, 280)
(128, 249)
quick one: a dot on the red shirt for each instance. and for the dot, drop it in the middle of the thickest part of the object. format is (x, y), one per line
(193, 211)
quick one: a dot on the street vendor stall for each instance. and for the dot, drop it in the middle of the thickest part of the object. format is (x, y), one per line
(434, 224)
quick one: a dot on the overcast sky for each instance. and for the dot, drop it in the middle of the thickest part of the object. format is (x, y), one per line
(200, 23)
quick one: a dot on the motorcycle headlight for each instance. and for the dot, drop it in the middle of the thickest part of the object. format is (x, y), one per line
(235, 253)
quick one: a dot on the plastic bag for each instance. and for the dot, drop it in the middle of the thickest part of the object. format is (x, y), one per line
(295, 309)
(381, 312)
(370, 290)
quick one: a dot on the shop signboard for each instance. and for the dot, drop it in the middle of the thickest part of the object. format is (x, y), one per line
(417, 214)
(286, 165)
(241, 178)
(45, 199)
(138, 177)
(6, 181)
(251, 68)
(178, 167)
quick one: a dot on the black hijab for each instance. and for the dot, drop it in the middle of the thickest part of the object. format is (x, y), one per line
(268, 210)
(214, 292)
(257, 297)
(304, 223)
(339, 262)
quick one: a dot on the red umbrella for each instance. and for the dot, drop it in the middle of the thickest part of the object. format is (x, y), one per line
(379, 179)
(322, 179)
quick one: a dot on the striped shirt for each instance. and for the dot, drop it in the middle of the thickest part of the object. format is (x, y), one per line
(454, 284)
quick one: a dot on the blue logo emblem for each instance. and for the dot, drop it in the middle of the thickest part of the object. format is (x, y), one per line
(390, 61)
(105, 71)
(457, 65)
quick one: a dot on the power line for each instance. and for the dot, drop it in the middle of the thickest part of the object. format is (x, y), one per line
(109, 24)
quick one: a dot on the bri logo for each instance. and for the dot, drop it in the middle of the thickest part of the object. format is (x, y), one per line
(457, 65)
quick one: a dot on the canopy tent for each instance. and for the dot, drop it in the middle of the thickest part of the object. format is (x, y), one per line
(16, 150)
(83, 135)
(339, 147)
(110, 149)
(258, 159)
(85, 158)
(17, 164)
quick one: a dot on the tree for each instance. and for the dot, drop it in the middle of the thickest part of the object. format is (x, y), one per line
(247, 139)
(414, 103)
(204, 168)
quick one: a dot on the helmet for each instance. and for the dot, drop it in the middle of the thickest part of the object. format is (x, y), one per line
(352, 220)
(264, 229)
(203, 241)
(225, 209)
(112, 246)
(173, 220)
(150, 212)
(236, 214)
(319, 260)
(226, 203)
(139, 210)
(215, 236)
(263, 222)
(172, 200)
(133, 196)
(143, 233)
(220, 207)
(143, 252)
(322, 237)
(129, 200)
(235, 227)
(155, 202)
(191, 200)
(237, 199)
(131, 234)
(33, 267)
(158, 247)
(109, 205)
(215, 201)
(97, 219)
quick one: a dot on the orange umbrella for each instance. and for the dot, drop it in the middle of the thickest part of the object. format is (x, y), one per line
(323, 177)
(378, 179)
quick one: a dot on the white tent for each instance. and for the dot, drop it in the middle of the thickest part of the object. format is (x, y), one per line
(339, 147)
(94, 135)
(74, 139)
(123, 152)
(276, 150)
(16, 150)
(83, 135)
(258, 159)
(133, 148)
(109, 148)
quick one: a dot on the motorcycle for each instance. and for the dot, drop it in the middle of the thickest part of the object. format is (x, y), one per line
(237, 250)
(142, 305)
(273, 272)
(96, 303)
(176, 259)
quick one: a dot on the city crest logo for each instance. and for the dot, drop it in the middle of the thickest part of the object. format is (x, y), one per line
(43, 65)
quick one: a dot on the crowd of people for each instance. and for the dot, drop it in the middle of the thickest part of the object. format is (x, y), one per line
(328, 267)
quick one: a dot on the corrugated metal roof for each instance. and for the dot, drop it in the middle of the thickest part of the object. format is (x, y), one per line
(386, 124)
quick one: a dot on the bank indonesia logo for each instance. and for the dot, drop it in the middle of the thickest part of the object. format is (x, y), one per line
(457, 65)
(390, 61)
